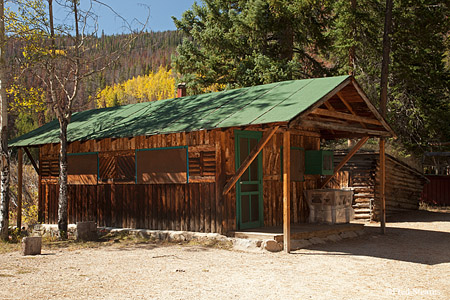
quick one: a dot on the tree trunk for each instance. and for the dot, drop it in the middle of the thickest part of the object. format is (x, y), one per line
(62, 199)
(386, 53)
(352, 50)
(4, 154)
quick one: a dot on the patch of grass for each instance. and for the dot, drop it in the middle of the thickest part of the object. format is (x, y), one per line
(7, 247)
(121, 240)
(209, 243)
(24, 271)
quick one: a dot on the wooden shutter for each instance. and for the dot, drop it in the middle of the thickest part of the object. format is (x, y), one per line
(49, 168)
(117, 166)
(202, 164)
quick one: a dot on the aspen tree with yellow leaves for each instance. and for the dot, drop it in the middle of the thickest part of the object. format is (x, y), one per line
(155, 86)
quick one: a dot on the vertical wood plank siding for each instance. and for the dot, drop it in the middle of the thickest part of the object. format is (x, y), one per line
(437, 191)
(195, 206)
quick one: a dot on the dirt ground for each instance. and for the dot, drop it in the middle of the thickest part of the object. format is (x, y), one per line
(412, 261)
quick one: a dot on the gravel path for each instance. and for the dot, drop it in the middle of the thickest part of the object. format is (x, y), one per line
(412, 261)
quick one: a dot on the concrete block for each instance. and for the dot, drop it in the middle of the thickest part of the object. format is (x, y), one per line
(31, 245)
(87, 231)
(245, 245)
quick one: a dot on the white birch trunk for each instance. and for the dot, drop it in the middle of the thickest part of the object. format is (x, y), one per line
(4, 154)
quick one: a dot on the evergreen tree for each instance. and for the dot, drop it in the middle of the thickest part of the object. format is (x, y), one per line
(420, 81)
(243, 43)
(418, 104)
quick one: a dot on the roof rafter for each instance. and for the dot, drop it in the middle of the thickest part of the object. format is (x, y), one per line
(344, 116)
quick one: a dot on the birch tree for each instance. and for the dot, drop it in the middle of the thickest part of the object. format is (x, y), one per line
(61, 60)
(4, 209)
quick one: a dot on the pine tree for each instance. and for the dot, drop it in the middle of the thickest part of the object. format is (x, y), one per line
(243, 43)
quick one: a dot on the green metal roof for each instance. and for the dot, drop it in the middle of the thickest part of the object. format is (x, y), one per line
(269, 103)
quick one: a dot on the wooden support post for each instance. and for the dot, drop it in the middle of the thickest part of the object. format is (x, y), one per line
(250, 158)
(31, 159)
(286, 191)
(19, 187)
(383, 185)
(345, 160)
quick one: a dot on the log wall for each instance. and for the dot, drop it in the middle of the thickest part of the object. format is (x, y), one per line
(403, 185)
(195, 206)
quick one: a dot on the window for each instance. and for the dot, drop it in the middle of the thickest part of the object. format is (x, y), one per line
(82, 168)
(319, 162)
(162, 165)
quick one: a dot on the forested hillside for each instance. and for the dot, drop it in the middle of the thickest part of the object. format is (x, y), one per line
(147, 54)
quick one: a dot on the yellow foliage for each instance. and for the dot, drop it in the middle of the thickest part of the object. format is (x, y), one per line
(216, 87)
(26, 98)
(30, 214)
(155, 86)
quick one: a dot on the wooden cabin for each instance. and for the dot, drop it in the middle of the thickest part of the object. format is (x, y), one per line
(361, 173)
(215, 162)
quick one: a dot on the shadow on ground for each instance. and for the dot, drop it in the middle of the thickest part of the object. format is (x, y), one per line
(420, 216)
(402, 242)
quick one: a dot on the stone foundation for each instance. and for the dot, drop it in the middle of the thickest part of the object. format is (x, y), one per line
(242, 244)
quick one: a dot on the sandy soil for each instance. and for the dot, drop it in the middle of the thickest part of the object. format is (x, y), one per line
(412, 261)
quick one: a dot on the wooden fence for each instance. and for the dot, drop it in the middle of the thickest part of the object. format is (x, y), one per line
(437, 191)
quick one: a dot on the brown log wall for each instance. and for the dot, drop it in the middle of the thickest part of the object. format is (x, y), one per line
(197, 206)
(403, 186)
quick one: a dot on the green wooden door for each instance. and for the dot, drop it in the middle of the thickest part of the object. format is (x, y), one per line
(249, 196)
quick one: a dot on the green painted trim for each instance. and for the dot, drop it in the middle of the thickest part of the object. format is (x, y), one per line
(162, 148)
(81, 153)
(252, 135)
(135, 166)
(187, 165)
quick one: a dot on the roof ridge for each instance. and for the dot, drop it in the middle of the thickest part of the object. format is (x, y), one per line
(270, 109)
(257, 97)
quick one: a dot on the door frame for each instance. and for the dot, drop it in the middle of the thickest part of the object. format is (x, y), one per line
(254, 135)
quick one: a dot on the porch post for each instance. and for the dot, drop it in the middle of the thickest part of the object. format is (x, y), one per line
(286, 191)
(383, 185)
(19, 187)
